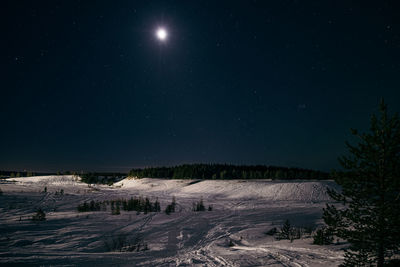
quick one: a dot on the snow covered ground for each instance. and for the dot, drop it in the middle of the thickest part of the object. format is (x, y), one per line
(232, 234)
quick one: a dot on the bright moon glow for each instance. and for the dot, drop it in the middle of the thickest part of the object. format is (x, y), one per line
(161, 34)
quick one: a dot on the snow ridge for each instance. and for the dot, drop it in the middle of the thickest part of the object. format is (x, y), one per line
(296, 190)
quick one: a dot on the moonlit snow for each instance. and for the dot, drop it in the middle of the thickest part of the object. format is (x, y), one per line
(232, 234)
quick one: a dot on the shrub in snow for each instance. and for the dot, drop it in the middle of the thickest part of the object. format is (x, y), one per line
(272, 231)
(171, 207)
(61, 192)
(140, 204)
(157, 206)
(323, 236)
(308, 229)
(133, 204)
(147, 206)
(297, 233)
(115, 211)
(91, 206)
(199, 206)
(286, 231)
(289, 232)
(123, 244)
(39, 216)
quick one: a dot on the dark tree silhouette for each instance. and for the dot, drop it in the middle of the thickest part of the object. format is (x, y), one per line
(370, 216)
(226, 171)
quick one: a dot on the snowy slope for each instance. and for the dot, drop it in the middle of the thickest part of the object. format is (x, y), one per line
(235, 189)
(48, 180)
(242, 212)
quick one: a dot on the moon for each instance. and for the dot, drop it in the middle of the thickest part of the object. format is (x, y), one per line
(162, 34)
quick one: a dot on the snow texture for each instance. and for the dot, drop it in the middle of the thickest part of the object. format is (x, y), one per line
(232, 234)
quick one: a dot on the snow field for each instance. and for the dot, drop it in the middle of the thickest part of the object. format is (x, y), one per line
(242, 212)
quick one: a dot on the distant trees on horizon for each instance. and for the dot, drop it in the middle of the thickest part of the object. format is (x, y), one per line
(192, 171)
(226, 171)
(101, 178)
(16, 174)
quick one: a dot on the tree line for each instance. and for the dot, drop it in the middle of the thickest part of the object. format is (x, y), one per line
(133, 204)
(12, 174)
(226, 171)
(101, 178)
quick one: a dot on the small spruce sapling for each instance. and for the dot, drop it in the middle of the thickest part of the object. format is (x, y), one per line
(323, 236)
(272, 231)
(286, 230)
(39, 216)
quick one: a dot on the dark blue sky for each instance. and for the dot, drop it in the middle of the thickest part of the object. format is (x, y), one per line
(86, 85)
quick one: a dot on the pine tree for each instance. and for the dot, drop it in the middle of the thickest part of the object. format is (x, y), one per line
(39, 216)
(286, 230)
(370, 217)
(173, 203)
(117, 211)
(171, 207)
(112, 208)
(147, 206)
(157, 207)
(323, 237)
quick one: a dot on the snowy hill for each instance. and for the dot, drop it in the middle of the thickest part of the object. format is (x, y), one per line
(48, 180)
(234, 189)
(232, 234)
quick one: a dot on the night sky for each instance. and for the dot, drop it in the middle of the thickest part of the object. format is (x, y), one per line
(86, 85)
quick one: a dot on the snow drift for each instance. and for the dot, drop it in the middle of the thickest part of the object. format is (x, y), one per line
(297, 190)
